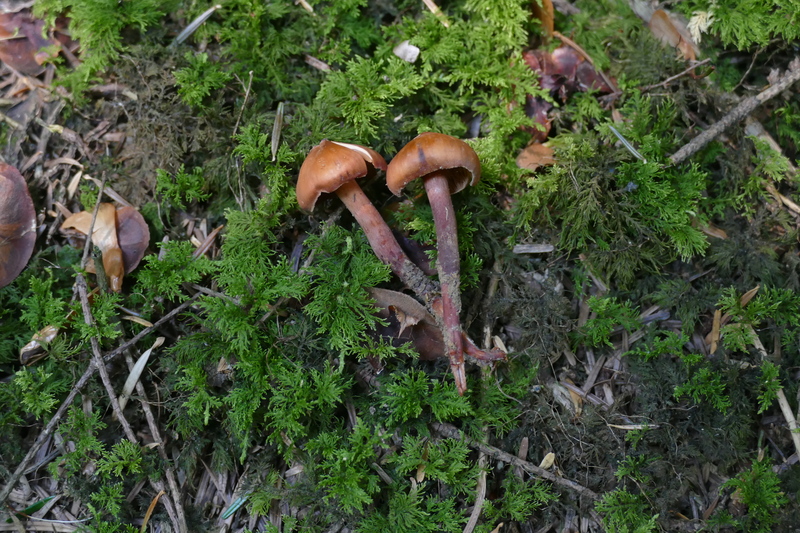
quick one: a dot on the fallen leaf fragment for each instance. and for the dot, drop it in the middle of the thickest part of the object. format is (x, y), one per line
(136, 373)
(548, 461)
(17, 224)
(671, 30)
(408, 320)
(22, 45)
(535, 155)
(34, 350)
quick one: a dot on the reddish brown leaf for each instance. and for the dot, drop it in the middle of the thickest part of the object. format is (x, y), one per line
(22, 45)
(408, 321)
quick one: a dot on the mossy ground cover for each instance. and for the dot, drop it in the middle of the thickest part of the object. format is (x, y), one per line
(648, 386)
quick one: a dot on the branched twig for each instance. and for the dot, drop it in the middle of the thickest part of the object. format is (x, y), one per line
(170, 475)
(76, 389)
(452, 432)
(676, 76)
(739, 112)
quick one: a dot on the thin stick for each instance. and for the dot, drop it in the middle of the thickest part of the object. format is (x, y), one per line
(783, 402)
(244, 103)
(745, 107)
(477, 508)
(676, 76)
(170, 474)
(452, 432)
(76, 389)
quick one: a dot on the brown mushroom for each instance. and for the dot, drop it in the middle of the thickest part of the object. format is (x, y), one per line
(17, 224)
(121, 234)
(446, 165)
(333, 167)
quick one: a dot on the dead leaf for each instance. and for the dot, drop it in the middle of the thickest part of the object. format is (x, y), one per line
(34, 350)
(534, 156)
(669, 29)
(17, 224)
(22, 45)
(548, 461)
(408, 320)
(715, 331)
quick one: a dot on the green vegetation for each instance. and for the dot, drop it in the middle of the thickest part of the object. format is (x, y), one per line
(278, 390)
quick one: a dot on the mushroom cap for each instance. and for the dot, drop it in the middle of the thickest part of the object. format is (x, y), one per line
(331, 164)
(17, 224)
(430, 152)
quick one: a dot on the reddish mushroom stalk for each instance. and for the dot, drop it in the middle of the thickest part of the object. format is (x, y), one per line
(449, 266)
(381, 239)
(446, 165)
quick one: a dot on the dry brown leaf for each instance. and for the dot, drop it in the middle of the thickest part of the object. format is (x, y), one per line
(577, 401)
(22, 45)
(534, 156)
(670, 30)
(548, 461)
(713, 231)
(34, 350)
(408, 320)
(715, 331)
(546, 15)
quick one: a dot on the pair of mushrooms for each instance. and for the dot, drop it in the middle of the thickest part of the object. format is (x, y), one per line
(446, 165)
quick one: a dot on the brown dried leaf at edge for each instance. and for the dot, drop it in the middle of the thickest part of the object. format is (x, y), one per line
(17, 224)
(670, 30)
(22, 45)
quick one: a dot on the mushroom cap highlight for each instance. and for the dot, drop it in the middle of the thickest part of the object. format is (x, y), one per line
(331, 164)
(17, 224)
(431, 152)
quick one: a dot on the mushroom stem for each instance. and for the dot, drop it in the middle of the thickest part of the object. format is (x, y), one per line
(448, 264)
(383, 242)
(387, 249)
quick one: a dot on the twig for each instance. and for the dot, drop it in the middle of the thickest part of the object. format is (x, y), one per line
(76, 389)
(452, 432)
(170, 475)
(477, 508)
(783, 402)
(744, 108)
(97, 358)
(244, 103)
(676, 76)
(431, 5)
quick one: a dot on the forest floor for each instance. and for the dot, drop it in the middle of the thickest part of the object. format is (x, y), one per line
(629, 269)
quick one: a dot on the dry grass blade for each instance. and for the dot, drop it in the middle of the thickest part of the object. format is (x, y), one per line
(136, 373)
